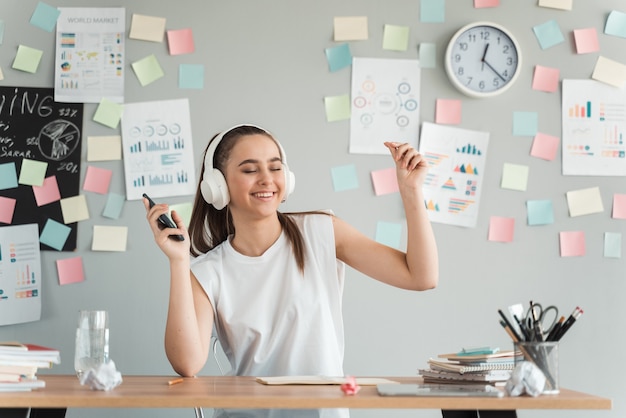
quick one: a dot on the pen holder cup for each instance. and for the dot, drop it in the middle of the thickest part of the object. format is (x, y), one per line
(545, 355)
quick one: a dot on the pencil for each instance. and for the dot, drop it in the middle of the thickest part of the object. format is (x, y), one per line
(175, 381)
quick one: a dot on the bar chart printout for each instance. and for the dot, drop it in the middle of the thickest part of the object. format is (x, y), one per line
(20, 274)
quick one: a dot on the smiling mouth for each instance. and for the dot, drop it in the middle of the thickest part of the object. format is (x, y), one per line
(264, 194)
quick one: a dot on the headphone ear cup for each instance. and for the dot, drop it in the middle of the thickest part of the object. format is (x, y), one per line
(290, 181)
(214, 189)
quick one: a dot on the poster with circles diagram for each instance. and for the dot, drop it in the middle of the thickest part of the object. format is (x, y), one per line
(385, 104)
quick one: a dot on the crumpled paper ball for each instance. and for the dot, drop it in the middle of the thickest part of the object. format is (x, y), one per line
(350, 387)
(526, 378)
(104, 377)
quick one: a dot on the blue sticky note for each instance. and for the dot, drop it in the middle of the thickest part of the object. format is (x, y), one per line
(1, 31)
(45, 16)
(113, 206)
(525, 123)
(191, 76)
(432, 11)
(613, 245)
(540, 212)
(389, 233)
(428, 55)
(548, 34)
(616, 24)
(345, 178)
(338, 57)
(8, 176)
(54, 234)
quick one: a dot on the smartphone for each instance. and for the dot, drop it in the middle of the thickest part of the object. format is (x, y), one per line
(165, 221)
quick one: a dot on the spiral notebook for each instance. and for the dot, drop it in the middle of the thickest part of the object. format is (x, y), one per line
(469, 368)
(449, 390)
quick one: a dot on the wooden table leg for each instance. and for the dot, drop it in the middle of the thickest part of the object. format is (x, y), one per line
(477, 414)
(459, 414)
(498, 414)
(47, 412)
(14, 412)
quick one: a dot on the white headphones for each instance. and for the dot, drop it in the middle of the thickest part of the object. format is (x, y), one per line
(213, 186)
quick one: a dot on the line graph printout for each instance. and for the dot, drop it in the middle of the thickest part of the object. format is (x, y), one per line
(385, 104)
(594, 126)
(158, 151)
(456, 159)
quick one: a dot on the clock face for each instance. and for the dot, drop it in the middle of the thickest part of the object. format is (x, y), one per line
(483, 59)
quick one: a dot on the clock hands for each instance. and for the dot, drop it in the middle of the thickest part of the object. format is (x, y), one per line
(484, 61)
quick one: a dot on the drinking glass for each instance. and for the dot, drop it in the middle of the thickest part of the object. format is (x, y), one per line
(92, 341)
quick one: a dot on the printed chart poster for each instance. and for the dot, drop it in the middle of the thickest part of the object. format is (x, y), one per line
(40, 155)
(594, 123)
(456, 159)
(20, 274)
(385, 104)
(89, 61)
(158, 152)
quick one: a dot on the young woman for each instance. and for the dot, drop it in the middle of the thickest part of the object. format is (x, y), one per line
(271, 283)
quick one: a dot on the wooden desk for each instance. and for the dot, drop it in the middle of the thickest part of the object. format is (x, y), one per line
(64, 391)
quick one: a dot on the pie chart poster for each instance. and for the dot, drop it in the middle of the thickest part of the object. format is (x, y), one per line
(35, 127)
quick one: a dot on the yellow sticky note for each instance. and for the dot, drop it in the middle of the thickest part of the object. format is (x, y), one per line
(396, 38)
(27, 59)
(104, 148)
(108, 113)
(584, 201)
(74, 209)
(337, 107)
(109, 238)
(33, 172)
(147, 28)
(350, 28)
(609, 72)
(148, 70)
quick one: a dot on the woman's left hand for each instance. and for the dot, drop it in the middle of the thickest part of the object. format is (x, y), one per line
(410, 164)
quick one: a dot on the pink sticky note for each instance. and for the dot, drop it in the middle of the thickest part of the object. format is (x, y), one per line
(180, 41)
(479, 4)
(501, 229)
(546, 79)
(48, 192)
(619, 206)
(97, 180)
(586, 40)
(448, 111)
(385, 181)
(70, 270)
(572, 243)
(7, 208)
(545, 146)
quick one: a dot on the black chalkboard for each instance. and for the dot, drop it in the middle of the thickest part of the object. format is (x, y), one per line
(34, 126)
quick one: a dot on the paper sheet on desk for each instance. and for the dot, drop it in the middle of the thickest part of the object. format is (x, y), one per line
(320, 380)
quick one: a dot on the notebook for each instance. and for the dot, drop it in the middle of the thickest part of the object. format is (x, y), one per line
(410, 389)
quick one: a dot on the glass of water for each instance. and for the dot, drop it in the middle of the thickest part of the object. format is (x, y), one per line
(92, 341)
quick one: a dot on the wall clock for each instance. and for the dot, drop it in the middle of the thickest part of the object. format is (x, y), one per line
(483, 59)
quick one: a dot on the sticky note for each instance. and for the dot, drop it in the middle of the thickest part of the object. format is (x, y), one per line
(389, 233)
(539, 212)
(609, 72)
(525, 123)
(613, 245)
(572, 243)
(514, 177)
(545, 146)
(27, 59)
(350, 28)
(7, 209)
(183, 210)
(556, 4)
(114, 205)
(432, 11)
(191, 76)
(501, 229)
(584, 201)
(70, 270)
(74, 209)
(338, 57)
(147, 28)
(1, 31)
(97, 180)
(385, 181)
(546, 79)
(104, 148)
(448, 111)
(45, 16)
(337, 107)
(480, 4)
(428, 55)
(33, 172)
(1, 74)
(109, 238)
(396, 38)
(344, 178)
(54, 234)
(108, 113)
(616, 24)
(586, 40)
(147, 70)
(619, 206)
(180, 41)
(548, 34)
(48, 192)
(8, 176)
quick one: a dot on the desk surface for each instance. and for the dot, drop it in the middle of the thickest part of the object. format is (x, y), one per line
(64, 391)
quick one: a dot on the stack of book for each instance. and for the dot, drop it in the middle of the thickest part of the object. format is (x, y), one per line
(19, 364)
(493, 367)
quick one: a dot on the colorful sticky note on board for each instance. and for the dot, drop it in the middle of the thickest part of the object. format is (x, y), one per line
(108, 113)
(619, 206)
(54, 234)
(545, 146)
(7, 209)
(27, 59)
(556, 4)
(572, 243)
(540, 212)
(344, 178)
(183, 210)
(389, 233)
(479, 4)
(180, 41)
(514, 177)
(8, 176)
(338, 57)
(104, 148)
(609, 72)
(586, 40)
(48, 192)
(350, 28)
(97, 180)
(396, 38)
(548, 34)
(45, 16)
(33, 172)
(501, 229)
(147, 28)
(616, 24)
(74, 209)
(428, 55)
(337, 107)
(1, 74)
(70, 270)
(613, 245)
(1, 31)
(109, 238)
(546, 79)
(113, 206)
(584, 201)
(432, 11)
(148, 70)
(448, 111)
(191, 76)
(385, 181)
(525, 123)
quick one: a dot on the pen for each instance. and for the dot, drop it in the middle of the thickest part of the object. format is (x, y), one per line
(506, 321)
(509, 331)
(521, 327)
(556, 328)
(568, 323)
(175, 381)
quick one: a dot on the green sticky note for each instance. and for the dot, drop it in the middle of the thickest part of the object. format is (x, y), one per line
(148, 70)
(337, 107)
(514, 177)
(27, 59)
(108, 113)
(396, 38)
(183, 210)
(33, 172)
(428, 55)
